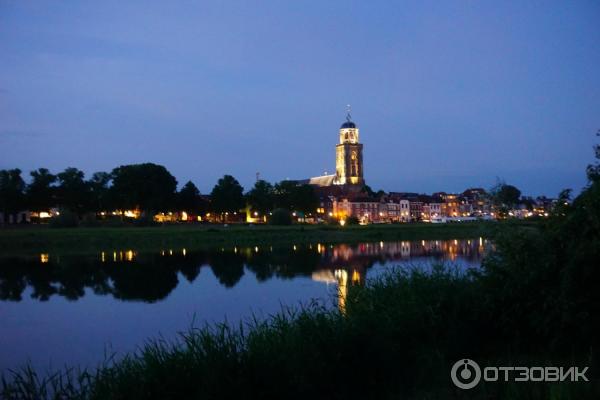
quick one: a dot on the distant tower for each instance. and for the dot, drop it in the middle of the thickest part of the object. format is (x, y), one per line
(349, 160)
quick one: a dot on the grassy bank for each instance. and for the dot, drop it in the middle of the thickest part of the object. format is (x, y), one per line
(73, 240)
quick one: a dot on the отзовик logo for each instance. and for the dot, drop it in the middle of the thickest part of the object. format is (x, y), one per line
(465, 374)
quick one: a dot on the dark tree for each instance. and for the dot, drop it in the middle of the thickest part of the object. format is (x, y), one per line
(227, 196)
(12, 192)
(504, 195)
(261, 198)
(367, 189)
(294, 197)
(284, 191)
(371, 193)
(593, 170)
(148, 187)
(189, 200)
(99, 191)
(563, 203)
(305, 199)
(73, 192)
(40, 192)
(281, 216)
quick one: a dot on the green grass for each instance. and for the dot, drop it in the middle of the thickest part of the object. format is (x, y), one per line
(84, 240)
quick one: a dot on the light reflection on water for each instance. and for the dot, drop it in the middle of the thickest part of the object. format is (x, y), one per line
(67, 308)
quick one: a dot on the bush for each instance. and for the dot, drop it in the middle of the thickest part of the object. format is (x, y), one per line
(146, 219)
(113, 222)
(352, 220)
(65, 219)
(90, 221)
(281, 216)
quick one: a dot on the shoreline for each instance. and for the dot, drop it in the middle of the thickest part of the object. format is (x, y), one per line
(32, 240)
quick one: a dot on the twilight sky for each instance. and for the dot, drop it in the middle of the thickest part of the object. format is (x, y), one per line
(447, 95)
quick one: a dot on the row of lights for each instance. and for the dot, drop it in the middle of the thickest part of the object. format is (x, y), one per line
(129, 255)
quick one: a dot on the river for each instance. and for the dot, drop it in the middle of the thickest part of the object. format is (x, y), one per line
(59, 310)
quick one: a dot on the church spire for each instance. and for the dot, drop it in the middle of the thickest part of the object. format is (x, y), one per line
(348, 165)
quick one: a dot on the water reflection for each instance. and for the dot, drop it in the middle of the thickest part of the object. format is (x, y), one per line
(150, 277)
(65, 308)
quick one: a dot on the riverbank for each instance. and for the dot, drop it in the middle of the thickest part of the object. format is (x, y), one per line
(31, 240)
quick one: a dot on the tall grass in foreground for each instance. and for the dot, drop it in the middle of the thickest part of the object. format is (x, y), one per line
(398, 337)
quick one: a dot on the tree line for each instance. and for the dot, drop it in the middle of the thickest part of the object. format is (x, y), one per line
(149, 188)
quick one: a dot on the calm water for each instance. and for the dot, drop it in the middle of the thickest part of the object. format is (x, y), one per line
(57, 310)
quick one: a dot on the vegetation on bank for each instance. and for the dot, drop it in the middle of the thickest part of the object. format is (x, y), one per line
(147, 188)
(85, 240)
(140, 191)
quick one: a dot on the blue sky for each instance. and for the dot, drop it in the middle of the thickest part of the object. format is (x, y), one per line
(447, 95)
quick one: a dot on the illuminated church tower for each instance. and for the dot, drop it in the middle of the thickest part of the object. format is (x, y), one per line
(349, 160)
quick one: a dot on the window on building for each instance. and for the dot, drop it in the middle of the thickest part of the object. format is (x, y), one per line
(354, 164)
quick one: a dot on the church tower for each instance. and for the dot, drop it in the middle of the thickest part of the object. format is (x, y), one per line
(349, 160)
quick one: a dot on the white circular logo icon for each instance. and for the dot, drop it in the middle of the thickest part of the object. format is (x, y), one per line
(465, 374)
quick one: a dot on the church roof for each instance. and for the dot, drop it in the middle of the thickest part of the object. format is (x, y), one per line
(324, 180)
(348, 124)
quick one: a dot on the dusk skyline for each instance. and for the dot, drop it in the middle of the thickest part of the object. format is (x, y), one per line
(446, 96)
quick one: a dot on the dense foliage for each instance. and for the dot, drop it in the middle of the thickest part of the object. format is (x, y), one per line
(149, 188)
(40, 192)
(281, 216)
(504, 197)
(227, 196)
(261, 198)
(12, 189)
(292, 196)
(543, 283)
(189, 199)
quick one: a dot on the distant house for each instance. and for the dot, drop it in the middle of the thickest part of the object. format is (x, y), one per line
(436, 208)
(477, 200)
(366, 209)
(394, 210)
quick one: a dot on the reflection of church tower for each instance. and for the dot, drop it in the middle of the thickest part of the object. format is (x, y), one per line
(357, 278)
(348, 160)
